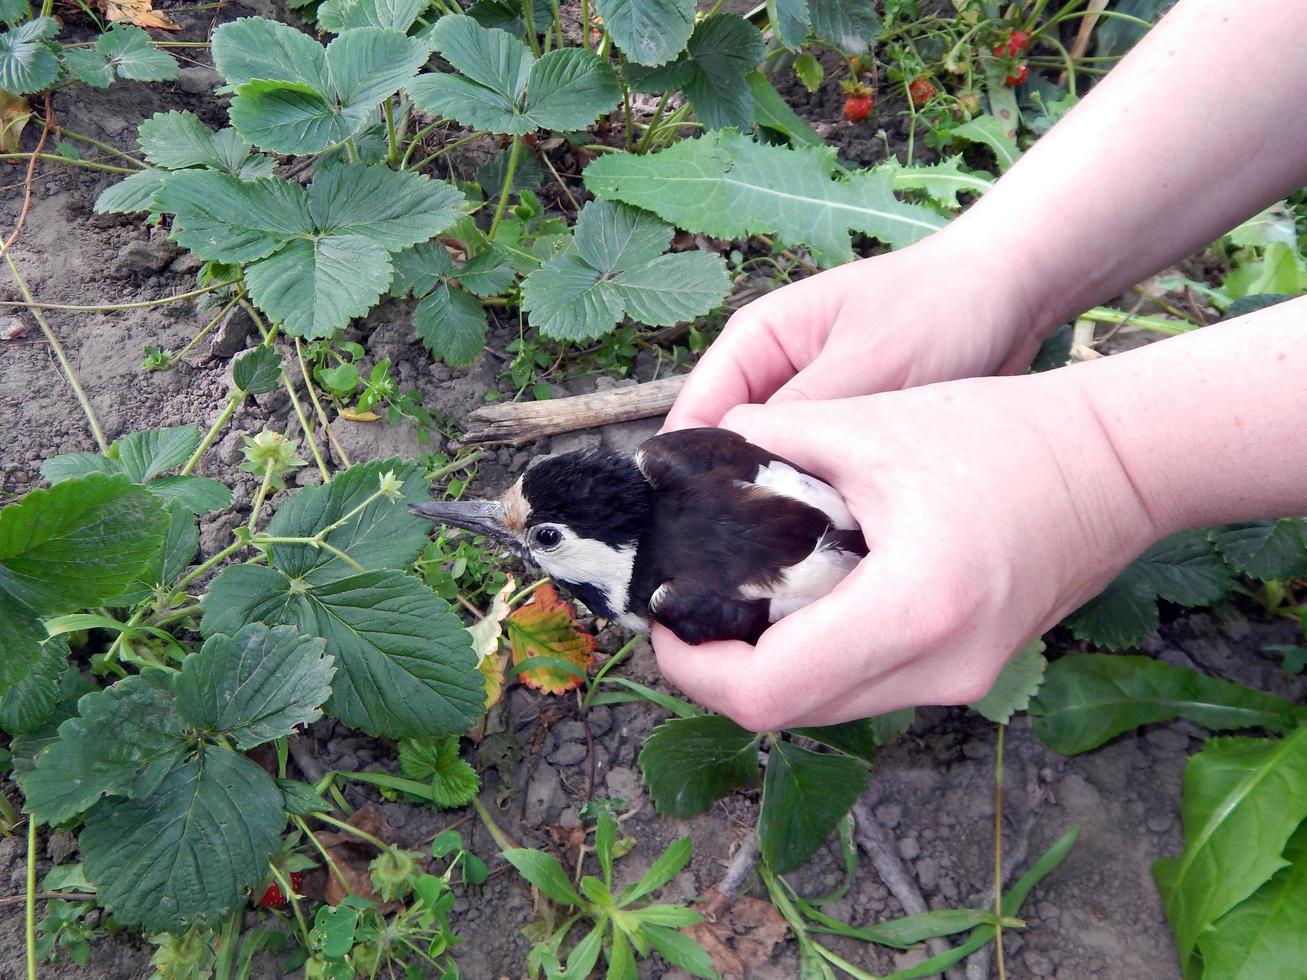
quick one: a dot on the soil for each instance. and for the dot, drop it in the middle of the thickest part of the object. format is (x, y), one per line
(932, 790)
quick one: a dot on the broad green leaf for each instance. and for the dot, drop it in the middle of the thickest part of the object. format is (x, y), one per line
(680, 950)
(69, 466)
(316, 287)
(224, 219)
(292, 117)
(382, 535)
(1264, 549)
(132, 54)
(14, 11)
(436, 761)
(393, 209)
(123, 742)
(176, 140)
(146, 454)
(804, 796)
(1237, 792)
(255, 47)
(689, 763)
(1117, 35)
(452, 325)
(255, 686)
(771, 111)
(499, 87)
(992, 132)
(188, 851)
(941, 182)
(905, 932)
(666, 867)
(1263, 938)
(179, 544)
(618, 267)
(1122, 615)
(301, 799)
(134, 192)
(487, 273)
(543, 871)
(404, 662)
(714, 71)
(855, 738)
(27, 61)
(649, 32)
(892, 724)
(419, 269)
(1090, 698)
(87, 65)
(790, 21)
(338, 16)
(850, 25)
(257, 371)
(727, 186)
(27, 705)
(1015, 685)
(25, 748)
(333, 930)
(198, 494)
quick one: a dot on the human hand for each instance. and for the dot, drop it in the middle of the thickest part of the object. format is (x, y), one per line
(991, 507)
(933, 312)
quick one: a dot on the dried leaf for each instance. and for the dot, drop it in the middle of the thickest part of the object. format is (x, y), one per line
(547, 627)
(743, 939)
(14, 113)
(353, 856)
(356, 416)
(486, 633)
(138, 12)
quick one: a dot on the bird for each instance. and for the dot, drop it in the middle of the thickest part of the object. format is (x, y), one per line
(702, 531)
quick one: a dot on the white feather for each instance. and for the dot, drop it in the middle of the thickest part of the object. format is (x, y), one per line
(805, 582)
(784, 480)
(591, 562)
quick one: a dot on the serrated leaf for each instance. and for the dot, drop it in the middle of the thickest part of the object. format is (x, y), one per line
(146, 454)
(543, 871)
(452, 325)
(255, 47)
(198, 494)
(649, 32)
(69, 466)
(393, 209)
(993, 133)
(1015, 685)
(892, 724)
(713, 71)
(1266, 550)
(941, 181)
(301, 799)
(1263, 937)
(856, 738)
(257, 371)
(404, 662)
(224, 219)
(804, 795)
(25, 748)
(186, 852)
(254, 686)
(1122, 615)
(790, 20)
(176, 140)
(689, 763)
(617, 267)
(1236, 791)
(133, 55)
(314, 288)
(134, 192)
(487, 273)
(338, 16)
(501, 88)
(850, 25)
(27, 62)
(27, 705)
(180, 542)
(87, 65)
(727, 186)
(382, 535)
(435, 760)
(419, 269)
(124, 741)
(14, 11)
(1088, 699)
(547, 627)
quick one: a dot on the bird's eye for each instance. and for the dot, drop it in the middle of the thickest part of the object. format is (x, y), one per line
(548, 537)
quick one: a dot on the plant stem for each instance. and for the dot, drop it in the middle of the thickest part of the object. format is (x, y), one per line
(289, 892)
(513, 156)
(199, 570)
(416, 140)
(58, 349)
(31, 898)
(228, 410)
(392, 140)
(326, 856)
(33, 304)
(529, 16)
(1161, 324)
(262, 492)
(587, 24)
(998, 854)
(317, 405)
(205, 330)
(227, 938)
(447, 148)
(71, 161)
(105, 147)
(456, 465)
(653, 123)
(177, 615)
(500, 837)
(349, 828)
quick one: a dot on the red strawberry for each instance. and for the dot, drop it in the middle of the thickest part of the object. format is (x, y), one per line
(921, 92)
(1018, 43)
(858, 100)
(272, 896)
(1016, 76)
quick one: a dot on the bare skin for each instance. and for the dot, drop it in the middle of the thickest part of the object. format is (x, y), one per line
(994, 506)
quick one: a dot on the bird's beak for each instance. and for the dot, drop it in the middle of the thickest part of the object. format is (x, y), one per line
(481, 516)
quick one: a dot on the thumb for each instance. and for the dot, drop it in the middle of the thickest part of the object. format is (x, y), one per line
(828, 376)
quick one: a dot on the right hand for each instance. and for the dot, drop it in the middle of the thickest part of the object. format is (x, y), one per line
(936, 311)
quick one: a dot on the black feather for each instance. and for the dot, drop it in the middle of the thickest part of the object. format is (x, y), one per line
(598, 493)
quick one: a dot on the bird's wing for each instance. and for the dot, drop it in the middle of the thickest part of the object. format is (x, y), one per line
(673, 459)
(700, 616)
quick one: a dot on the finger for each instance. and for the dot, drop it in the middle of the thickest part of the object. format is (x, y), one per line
(804, 432)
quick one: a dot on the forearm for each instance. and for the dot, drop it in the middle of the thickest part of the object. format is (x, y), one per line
(1210, 427)
(1194, 131)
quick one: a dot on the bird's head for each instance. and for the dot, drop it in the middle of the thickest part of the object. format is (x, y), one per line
(577, 516)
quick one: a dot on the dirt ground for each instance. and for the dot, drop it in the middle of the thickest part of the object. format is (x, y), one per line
(1096, 916)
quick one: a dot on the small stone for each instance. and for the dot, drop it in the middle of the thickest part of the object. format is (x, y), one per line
(571, 731)
(600, 720)
(1160, 823)
(623, 783)
(139, 257)
(544, 795)
(928, 874)
(889, 815)
(568, 754)
(909, 848)
(61, 846)
(308, 476)
(198, 80)
(362, 441)
(111, 124)
(231, 334)
(569, 818)
(977, 749)
(1037, 963)
(1168, 739)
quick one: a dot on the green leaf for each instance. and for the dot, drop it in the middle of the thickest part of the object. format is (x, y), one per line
(133, 193)
(313, 288)
(179, 544)
(905, 932)
(382, 535)
(666, 867)
(892, 724)
(452, 325)
(992, 132)
(333, 930)
(338, 16)
(487, 273)
(257, 371)
(1015, 685)
(176, 140)
(941, 181)
(255, 47)
(850, 25)
(771, 111)
(123, 742)
(1266, 550)
(1237, 792)
(435, 760)
(133, 55)
(223, 219)
(809, 71)
(404, 662)
(146, 454)
(617, 266)
(543, 871)
(69, 466)
(27, 705)
(1263, 937)
(713, 71)
(198, 494)
(790, 21)
(727, 186)
(14, 11)
(804, 796)
(186, 852)
(301, 799)
(25, 748)
(649, 32)
(1088, 699)
(855, 738)
(419, 269)
(393, 209)
(678, 949)
(27, 59)
(255, 686)
(87, 65)
(688, 763)
(499, 87)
